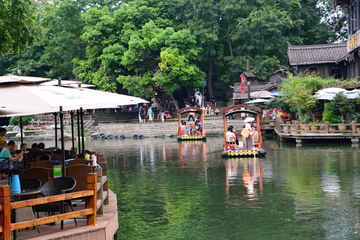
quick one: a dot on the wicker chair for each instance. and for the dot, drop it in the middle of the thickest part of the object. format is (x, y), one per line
(55, 186)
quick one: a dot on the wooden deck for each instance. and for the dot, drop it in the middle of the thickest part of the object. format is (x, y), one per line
(303, 132)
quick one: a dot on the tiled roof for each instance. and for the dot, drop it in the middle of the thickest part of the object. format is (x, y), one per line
(315, 54)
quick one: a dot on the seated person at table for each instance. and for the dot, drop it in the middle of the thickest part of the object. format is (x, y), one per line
(3, 141)
(197, 128)
(185, 130)
(34, 148)
(41, 147)
(45, 157)
(23, 148)
(5, 153)
(231, 138)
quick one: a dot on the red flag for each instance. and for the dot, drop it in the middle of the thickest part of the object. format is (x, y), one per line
(243, 81)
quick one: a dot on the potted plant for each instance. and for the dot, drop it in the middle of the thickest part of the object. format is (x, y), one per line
(315, 128)
(330, 115)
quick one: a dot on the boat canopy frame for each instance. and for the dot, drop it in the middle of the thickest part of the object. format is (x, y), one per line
(188, 110)
(243, 109)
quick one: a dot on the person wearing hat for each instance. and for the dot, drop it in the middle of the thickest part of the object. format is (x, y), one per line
(249, 138)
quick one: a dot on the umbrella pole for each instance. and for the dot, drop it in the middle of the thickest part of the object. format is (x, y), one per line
(78, 124)
(21, 131)
(72, 132)
(62, 143)
(55, 116)
(82, 131)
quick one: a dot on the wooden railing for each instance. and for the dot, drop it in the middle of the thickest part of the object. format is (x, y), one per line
(324, 128)
(5, 208)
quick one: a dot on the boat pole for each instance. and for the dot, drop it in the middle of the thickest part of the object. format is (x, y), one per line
(224, 120)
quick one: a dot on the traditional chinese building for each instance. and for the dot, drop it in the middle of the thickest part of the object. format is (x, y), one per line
(325, 60)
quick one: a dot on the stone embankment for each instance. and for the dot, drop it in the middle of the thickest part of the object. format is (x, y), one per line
(212, 125)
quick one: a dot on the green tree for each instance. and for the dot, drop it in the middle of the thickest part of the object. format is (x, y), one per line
(161, 60)
(17, 26)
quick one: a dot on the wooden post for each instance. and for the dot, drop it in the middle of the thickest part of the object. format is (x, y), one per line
(100, 196)
(326, 127)
(297, 127)
(92, 202)
(353, 127)
(104, 167)
(288, 128)
(5, 217)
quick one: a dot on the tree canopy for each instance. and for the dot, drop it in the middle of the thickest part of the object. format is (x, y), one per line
(17, 26)
(148, 46)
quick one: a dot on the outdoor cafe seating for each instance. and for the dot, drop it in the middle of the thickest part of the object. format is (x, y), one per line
(53, 187)
(39, 176)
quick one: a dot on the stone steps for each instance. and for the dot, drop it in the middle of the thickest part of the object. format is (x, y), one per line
(212, 126)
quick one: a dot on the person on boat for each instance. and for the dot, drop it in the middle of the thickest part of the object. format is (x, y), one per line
(243, 138)
(233, 131)
(249, 136)
(197, 127)
(184, 128)
(255, 135)
(231, 138)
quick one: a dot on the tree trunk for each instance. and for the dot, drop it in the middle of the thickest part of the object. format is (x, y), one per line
(230, 47)
(174, 102)
(158, 102)
(209, 78)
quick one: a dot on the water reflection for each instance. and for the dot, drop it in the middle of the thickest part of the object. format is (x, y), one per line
(243, 178)
(171, 190)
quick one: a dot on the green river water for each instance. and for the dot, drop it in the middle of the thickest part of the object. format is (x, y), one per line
(171, 190)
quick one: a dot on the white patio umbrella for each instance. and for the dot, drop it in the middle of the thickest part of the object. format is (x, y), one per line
(25, 99)
(69, 83)
(259, 100)
(261, 94)
(21, 79)
(352, 95)
(331, 90)
(325, 96)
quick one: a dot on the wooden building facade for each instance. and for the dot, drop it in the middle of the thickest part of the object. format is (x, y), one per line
(325, 60)
(351, 9)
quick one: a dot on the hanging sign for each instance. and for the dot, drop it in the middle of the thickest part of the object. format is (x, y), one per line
(243, 81)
